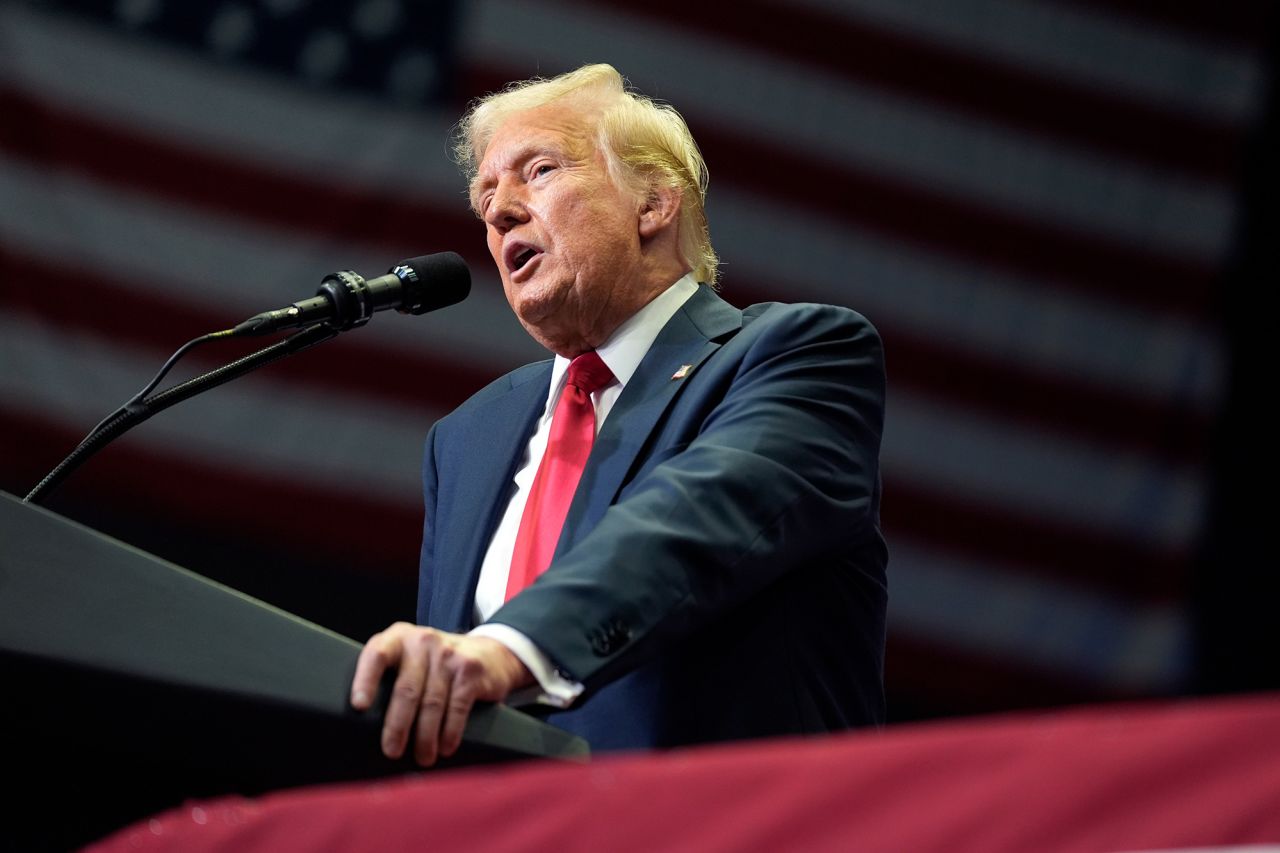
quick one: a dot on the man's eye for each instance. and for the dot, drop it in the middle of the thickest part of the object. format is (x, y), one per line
(542, 169)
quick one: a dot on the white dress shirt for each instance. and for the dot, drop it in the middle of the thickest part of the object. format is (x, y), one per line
(622, 354)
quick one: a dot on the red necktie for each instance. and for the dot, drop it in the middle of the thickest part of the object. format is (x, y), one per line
(573, 431)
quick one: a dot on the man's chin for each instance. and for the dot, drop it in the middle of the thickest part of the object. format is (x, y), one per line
(560, 338)
(550, 318)
(536, 306)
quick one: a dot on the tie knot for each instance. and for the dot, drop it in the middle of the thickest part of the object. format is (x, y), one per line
(589, 372)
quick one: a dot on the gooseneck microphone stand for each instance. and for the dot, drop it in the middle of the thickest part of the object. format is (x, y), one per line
(141, 407)
(344, 301)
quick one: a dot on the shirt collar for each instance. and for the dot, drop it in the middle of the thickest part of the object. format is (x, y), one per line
(623, 351)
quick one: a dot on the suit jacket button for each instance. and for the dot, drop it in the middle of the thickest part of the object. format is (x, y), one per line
(610, 637)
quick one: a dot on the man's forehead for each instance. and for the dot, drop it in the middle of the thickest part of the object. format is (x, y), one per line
(507, 152)
(547, 128)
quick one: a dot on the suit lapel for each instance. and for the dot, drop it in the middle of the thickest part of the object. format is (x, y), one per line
(494, 439)
(690, 336)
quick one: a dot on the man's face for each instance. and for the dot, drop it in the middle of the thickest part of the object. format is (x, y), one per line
(565, 238)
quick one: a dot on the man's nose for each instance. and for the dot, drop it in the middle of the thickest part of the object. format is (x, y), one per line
(506, 207)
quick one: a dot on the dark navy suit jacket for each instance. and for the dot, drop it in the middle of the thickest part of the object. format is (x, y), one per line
(721, 572)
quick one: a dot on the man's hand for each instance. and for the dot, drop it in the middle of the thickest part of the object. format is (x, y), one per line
(441, 676)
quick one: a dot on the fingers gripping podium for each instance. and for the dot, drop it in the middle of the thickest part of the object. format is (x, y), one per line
(119, 665)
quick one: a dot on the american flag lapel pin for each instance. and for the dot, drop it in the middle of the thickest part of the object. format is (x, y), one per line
(682, 372)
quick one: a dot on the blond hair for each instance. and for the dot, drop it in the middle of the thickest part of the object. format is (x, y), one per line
(646, 145)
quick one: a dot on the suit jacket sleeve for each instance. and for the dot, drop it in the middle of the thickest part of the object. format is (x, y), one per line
(767, 464)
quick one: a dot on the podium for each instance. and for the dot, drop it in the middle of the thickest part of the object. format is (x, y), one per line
(132, 684)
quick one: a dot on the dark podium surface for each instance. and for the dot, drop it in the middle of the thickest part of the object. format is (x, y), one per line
(132, 684)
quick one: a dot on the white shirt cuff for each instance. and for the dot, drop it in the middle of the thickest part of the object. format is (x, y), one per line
(553, 688)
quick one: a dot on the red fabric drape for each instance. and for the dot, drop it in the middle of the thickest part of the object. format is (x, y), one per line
(1132, 777)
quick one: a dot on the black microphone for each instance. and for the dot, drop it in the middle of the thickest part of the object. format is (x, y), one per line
(346, 300)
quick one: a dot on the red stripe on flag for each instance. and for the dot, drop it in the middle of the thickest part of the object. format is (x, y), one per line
(947, 680)
(1160, 429)
(1051, 254)
(183, 490)
(1104, 268)
(111, 309)
(119, 155)
(1028, 543)
(1023, 542)
(965, 82)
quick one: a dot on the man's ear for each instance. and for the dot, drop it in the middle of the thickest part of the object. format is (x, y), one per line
(659, 210)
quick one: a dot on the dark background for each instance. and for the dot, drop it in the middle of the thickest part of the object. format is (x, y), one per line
(1061, 216)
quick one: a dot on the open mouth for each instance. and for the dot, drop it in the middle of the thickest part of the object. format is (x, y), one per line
(523, 258)
(519, 254)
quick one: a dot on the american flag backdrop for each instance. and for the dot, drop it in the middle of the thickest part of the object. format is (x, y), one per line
(1033, 201)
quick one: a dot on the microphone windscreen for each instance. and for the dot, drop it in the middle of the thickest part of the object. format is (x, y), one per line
(442, 279)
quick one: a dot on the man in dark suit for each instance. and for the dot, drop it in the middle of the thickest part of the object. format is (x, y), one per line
(671, 530)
